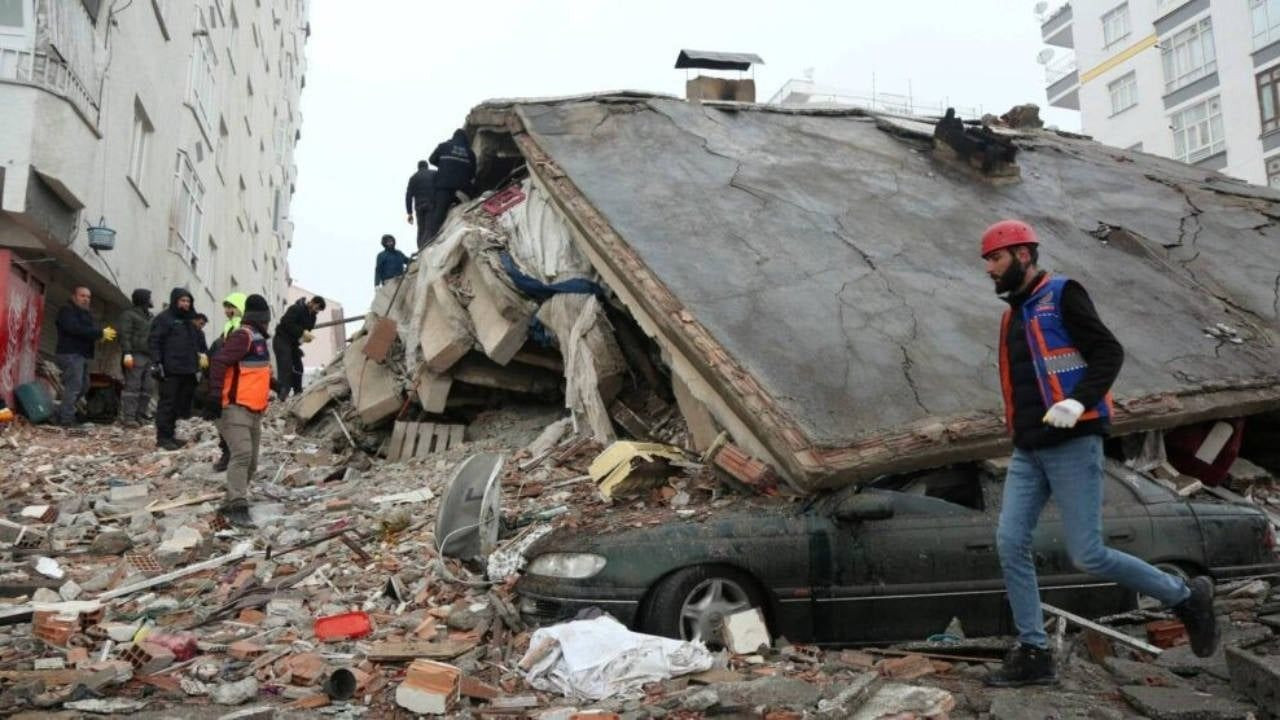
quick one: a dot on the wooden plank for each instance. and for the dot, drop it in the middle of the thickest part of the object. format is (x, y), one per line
(1113, 634)
(397, 441)
(442, 438)
(426, 431)
(455, 435)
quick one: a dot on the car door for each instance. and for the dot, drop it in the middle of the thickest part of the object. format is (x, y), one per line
(906, 577)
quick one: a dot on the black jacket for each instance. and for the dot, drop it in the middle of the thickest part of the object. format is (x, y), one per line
(174, 341)
(391, 263)
(295, 321)
(77, 332)
(421, 186)
(1094, 341)
(456, 163)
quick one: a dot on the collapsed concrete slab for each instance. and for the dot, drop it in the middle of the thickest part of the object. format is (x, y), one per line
(375, 390)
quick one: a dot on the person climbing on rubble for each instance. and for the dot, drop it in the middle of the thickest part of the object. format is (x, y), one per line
(233, 309)
(175, 345)
(294, 329)
(77, 336)
(1057, 364)
(135, 327)
(418, 197)
(456, 172)
(239, 391)
(391, 263)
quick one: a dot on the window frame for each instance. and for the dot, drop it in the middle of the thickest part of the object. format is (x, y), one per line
(203, 77)
(1271, 33)
(140, 142)
(1271, 166)
(1199, 32)
(1267, 84)
(1182, 131)
(1120, 12)
(188, 215)
(1114, 87)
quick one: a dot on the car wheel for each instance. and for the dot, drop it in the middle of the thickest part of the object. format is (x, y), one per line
(691, 604)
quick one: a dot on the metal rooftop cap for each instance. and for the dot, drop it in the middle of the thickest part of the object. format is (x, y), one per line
(716, 60)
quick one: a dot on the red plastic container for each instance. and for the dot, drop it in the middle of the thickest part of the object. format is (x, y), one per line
(347, 626)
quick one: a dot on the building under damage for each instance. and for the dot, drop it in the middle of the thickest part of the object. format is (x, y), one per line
(805, 281)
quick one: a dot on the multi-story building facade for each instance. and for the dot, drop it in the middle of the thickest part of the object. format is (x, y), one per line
(1194, 80)
(173, 122)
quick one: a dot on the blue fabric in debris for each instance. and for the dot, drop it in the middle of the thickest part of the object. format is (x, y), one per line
(539, 290)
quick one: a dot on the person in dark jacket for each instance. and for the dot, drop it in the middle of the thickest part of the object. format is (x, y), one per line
(456, 170)
(77, 334)
(135, 331)
(239, 388)
(391, 263)
(294, 329)
(1057, 364)
(418, 197)
(175, 359)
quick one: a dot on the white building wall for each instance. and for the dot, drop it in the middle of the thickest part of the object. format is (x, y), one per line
(1149, 122)
(144, 59)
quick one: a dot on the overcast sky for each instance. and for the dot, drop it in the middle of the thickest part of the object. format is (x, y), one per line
(388, 79)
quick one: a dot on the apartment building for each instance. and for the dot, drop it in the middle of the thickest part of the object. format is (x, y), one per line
(1194, 80)
(172, 123)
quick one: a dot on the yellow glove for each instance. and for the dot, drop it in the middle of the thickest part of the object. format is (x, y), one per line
(128, 362)
(204, 361)
(307, 336)
(108, 333)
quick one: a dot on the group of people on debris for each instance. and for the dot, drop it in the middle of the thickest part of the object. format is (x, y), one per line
(429, 195)
(169, 351)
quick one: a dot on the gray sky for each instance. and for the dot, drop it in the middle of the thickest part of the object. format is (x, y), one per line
(388, 79)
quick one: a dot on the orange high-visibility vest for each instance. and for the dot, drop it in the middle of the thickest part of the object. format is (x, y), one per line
(248, 382)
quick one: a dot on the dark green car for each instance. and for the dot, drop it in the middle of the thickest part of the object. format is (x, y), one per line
(893, 561)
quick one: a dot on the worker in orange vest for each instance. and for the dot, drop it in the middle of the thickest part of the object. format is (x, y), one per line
(239, 388)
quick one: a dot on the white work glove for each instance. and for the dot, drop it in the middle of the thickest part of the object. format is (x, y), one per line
(1064, 414)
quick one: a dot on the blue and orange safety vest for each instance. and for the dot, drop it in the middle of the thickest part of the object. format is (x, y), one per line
(248, 382)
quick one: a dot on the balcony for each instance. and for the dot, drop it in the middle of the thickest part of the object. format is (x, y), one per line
(47, 72)
(1062, 81)
(1056, 30)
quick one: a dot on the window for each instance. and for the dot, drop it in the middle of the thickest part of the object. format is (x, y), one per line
(202, 75)
(211, 261)
(1266, 21)
(277, 210)
(1115, 25)
(1188, 56)
(1273, 172)
(1269, 99)
(13, 13)
(142, 130)
(1124, 93)
(188, 210)
(1197, 131)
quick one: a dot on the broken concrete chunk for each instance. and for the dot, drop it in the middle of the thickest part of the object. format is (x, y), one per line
(894, 700)
(1163, 703)
(110, 542)
(446, 333)
(375, 390)
(499, 314)
(745, 632)
(429, 687)
(235, 693)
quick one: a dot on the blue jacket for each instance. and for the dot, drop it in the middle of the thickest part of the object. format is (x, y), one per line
(391, 263)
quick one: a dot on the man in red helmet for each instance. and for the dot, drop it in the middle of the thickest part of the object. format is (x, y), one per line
(1057, 363)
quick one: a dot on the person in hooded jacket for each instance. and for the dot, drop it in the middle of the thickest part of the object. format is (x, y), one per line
(391, 262)
(418, 196)
(175, 345)
(455, 170)
(135, 331)
(294, 329)
(239, 391)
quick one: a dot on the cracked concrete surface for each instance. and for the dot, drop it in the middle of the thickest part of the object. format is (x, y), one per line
(837, 262)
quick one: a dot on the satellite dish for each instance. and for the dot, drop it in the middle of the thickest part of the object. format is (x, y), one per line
(469, 516)
(1041, 7)
(1044, 56)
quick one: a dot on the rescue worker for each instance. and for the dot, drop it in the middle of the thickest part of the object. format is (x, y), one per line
(418, 197)
(77, 335)
(135, 328)
(1057, 364)
(456, 170)
(233, 309)
(175, 359)
(391, 263)
(294, 329)
(239, 390)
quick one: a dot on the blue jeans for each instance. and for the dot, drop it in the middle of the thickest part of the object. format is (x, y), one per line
(75, 383)
(1072, 473)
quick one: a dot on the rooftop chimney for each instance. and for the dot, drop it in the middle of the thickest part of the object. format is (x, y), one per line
(708, 87)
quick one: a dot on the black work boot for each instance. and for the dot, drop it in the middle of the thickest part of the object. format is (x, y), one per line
(168, 444)
(236, 512)
(1025, 665)
(221, 465)
(1196, 612)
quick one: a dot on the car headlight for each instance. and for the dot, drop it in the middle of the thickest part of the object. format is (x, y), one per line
(567, 565)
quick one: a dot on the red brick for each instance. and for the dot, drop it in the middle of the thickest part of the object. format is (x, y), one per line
(909, 667)
(480, 690)
(245, 650)
(252, 616)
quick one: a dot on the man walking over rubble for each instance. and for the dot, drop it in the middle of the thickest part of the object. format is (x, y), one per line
(1057, 364)
(135, 329)
(175, 359)
(239, 390)
(418, 197)
(390, 263)
(456, 171)
(294, 329)
(77, 335)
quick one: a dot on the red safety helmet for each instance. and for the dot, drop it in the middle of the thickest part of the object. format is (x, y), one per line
(1007, 233)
